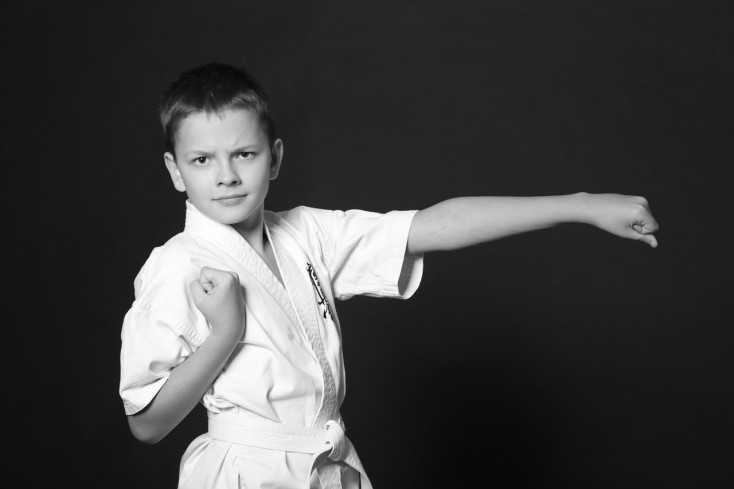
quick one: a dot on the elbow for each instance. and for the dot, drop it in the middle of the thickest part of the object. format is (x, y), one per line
(144, 432)
(147, 438)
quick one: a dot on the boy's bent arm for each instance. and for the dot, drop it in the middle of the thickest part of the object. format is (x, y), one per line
(217, 294)
(466, 221)
(184, 388)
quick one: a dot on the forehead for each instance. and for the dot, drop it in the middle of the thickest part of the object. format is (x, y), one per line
(231, 127)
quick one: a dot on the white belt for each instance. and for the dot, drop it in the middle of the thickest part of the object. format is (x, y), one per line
(329, 443)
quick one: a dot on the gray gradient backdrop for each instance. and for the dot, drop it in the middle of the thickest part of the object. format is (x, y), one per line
(562, 358)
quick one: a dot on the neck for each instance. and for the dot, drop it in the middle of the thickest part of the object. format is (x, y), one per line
(253, 231)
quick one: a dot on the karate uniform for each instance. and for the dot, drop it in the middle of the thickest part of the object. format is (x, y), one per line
(274, 409)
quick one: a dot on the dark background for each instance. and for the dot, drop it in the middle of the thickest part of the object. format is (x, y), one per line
(560, 358)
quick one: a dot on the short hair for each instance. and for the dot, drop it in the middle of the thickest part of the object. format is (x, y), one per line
(212, 88)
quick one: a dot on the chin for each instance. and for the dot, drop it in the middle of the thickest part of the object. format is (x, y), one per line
(236, 217)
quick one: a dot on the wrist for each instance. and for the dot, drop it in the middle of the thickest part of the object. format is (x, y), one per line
(582, 204)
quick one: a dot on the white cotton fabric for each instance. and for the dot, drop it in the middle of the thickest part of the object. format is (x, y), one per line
(288, 367)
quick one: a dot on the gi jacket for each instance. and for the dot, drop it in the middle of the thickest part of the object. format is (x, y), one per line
(286, 375)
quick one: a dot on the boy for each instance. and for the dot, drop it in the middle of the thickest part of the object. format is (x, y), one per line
(269, 368)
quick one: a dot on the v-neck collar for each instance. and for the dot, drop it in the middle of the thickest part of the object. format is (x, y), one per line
(233, 244)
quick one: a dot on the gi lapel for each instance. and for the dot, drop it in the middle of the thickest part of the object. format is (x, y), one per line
(311, 308)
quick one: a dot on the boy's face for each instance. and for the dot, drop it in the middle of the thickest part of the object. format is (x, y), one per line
(224, 163)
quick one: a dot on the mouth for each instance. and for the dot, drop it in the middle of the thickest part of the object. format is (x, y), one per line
(230, 199)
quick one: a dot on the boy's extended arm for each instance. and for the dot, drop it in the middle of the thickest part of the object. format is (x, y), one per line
(217, 294)
(466, 221)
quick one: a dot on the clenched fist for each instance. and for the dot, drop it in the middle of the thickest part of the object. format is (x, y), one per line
(218, 295)
(623, 215)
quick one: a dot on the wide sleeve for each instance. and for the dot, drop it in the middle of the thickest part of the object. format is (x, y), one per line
(151, 348)
(159, 332)
(365, 253)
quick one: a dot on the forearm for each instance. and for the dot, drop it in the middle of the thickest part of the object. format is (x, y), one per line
(466, 221)
(184, 388)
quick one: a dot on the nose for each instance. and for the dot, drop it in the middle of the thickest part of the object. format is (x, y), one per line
(227, 176)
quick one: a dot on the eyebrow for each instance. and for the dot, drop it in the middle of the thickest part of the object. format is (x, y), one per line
(197, 153)
(239, 149)
(246, 148)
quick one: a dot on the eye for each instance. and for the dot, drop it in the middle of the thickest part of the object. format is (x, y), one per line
(245, 155)
(199, 160)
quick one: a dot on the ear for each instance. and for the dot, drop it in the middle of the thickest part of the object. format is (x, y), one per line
(173, 170)
(276, 158)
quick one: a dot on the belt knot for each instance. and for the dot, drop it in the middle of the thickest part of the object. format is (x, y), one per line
(335, 438)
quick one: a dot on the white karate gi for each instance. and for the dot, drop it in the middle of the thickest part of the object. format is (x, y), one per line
(274, 408)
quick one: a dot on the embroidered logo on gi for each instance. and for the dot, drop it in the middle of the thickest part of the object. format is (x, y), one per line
(315, 281)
